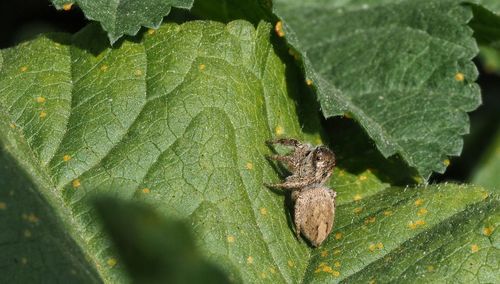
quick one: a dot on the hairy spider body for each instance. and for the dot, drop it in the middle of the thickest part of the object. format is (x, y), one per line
(314, 211)
(314, 203)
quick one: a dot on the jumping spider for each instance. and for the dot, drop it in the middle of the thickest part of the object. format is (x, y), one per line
(314, 203)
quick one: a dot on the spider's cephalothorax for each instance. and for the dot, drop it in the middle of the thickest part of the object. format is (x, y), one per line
(314, 203)
(308, 165)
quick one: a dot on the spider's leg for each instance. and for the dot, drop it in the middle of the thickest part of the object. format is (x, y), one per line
(297, 220)
(288, 161)
(291, 184)
(286, 142)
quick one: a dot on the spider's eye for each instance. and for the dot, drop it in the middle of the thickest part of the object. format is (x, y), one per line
(319, 155)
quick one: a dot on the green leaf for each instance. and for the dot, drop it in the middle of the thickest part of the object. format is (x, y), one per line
(486, 26)
(125, 17)
(156, 250)
(402, 69)
(487, 173)
(442, 233)
(490, 58)
(253, 11)
(492, 5)
(35, 246)
(178, 120)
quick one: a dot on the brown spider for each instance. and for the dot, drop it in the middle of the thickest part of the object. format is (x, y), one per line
(314, 203)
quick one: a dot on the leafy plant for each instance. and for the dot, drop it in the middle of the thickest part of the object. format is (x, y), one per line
(176, 117)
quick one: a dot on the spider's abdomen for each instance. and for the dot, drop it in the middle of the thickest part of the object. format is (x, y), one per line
(314, 213)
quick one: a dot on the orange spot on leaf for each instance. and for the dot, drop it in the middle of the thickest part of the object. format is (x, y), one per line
(67, 6)
(278, 28)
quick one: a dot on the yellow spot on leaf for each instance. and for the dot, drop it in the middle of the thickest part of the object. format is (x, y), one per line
(487, 231)
(249, 260)
(341, 173)
(372, 281)
(146, 190)
(104, 67)
(40, 99)
(430, 268)
(474, 248)
(387, 213)
(279, 130)
(3, 206)
(325, 268)
(370, 219)
(293, 53)
(201, 67)
(12, 125)
(422, 212)
(76, 183)
(290, 263)
(337, 251)
(418, 179)
(230, 239)
(138, 72)
(485, 194)
(363, 177)
(111, 262)
(273, 271)
(32, 218)
(372, 247)
(66, 158)
(309, 82)
(263, 211)
(459, 77)
(43, 114)
(27, 233)
(358, 210)
(338, 236)
(23, 69)
(336, 264)
(151, 31)
(249, 166)
(419, 202)
(412, 225)
(357, 197)
(67, 6)
(278, 28)
(446, 162)
(263, 275)
(324, 253)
